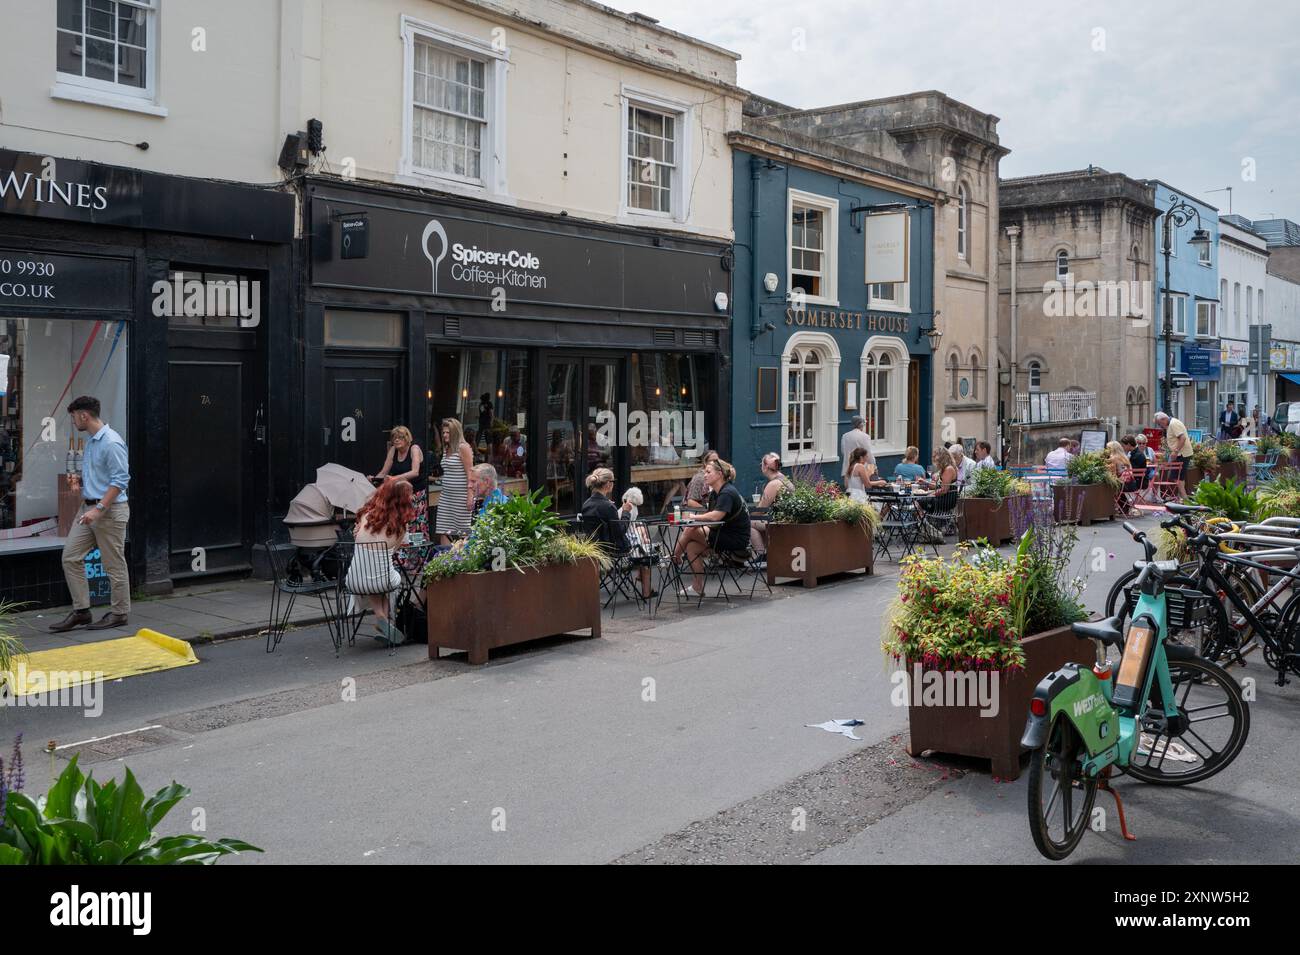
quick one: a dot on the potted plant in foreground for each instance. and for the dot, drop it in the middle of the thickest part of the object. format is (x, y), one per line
(975, 634)
(1087, 493)
(984, 512)
(814, 530)
(1232, 461)
(1205, 464)
(519, 576)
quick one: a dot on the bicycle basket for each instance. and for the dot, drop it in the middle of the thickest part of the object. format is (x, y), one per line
(1185, 608)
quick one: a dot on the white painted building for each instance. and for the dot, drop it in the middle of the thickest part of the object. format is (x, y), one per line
(1243, 265)
(1282, 311)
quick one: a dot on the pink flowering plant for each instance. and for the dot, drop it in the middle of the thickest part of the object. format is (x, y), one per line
(954, 615)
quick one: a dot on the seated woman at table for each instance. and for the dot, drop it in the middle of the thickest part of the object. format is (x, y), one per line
(1116, 458)
(908, 469)
(731, 538)
(862, 475)
(776, 483)
(944, 475)
(697, 492)
(1137, 462)
(610, 522)
(381, 520)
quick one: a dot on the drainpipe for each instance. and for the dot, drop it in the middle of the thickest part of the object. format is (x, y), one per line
(1013, 233)
(755, 279)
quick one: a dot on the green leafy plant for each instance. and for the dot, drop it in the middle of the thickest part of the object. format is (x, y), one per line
(82, 822)
(1288, 440)
(1267, 444)
(805, 502)
(11, 648)
(1228, 499)
(518, 533)
(994, 485)
(1228, 452)
(1279, 496)
(1093, 467)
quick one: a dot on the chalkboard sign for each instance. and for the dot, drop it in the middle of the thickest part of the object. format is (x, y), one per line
(1091, 441)
(101, 590)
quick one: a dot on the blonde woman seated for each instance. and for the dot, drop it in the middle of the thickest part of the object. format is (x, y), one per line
(1116, 459)
(862, 475)
(732, 537)
(944, 474)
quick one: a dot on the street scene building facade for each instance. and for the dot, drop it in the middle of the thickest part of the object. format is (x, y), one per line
(1243, 266)
(1076, 312)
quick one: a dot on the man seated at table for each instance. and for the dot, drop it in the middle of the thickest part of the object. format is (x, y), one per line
(984, 456)
(1060, 456)
(730, 539)
(776, 483)
(487, 493)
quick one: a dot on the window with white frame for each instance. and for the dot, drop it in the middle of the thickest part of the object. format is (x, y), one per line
(656, 149)
(814, 241)
(1206, 319)
(455, 109)
(1203, 253)
(884, 406)
(107, 45)
(1178, 303)
(810, 382)
(963, 221)
(1035, 376)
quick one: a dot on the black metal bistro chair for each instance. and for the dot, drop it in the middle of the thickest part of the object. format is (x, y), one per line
(297, 576)
(370, 572)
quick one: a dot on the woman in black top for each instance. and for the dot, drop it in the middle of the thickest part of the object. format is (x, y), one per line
(405, 462)
(609, 522)
(732, 537)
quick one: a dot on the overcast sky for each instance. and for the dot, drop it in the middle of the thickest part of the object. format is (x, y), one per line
(1187, 92)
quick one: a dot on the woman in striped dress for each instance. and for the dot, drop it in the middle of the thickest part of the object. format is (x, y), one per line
(456, 501)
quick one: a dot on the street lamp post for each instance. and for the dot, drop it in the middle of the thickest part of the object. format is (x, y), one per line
(1179, 214)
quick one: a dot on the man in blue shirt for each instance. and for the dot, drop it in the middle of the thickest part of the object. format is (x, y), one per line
(101, 521)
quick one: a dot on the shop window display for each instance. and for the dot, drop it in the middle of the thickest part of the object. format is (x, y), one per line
(44, 364)
(677, 394)
(487, 389)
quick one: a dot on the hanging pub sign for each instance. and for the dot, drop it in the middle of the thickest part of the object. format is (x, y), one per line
(886, 248)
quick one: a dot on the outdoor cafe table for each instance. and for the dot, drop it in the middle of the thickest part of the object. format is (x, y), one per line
(670, 533)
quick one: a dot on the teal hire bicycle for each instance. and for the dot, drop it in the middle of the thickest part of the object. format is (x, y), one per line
(1162, 714)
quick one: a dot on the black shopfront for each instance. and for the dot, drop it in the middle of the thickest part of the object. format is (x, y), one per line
(561, 345)
(169, 299)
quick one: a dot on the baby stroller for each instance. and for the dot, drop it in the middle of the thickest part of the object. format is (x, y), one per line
(320, 516)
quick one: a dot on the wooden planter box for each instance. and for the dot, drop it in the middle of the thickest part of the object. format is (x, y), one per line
(962, 731)
(477, 612)
(1098, 502)
(1234, 471)
(983, 517)
(820, 550)
(1194, 476)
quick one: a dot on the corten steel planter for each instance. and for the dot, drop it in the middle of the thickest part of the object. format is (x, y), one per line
(830, 547)
(984, 517)
(1084, 503)
(477, 612)
(1234, 471)
(962, 731)
(1194, 476)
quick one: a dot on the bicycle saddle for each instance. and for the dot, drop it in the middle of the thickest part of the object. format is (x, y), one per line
(1173, 508)
(1107, 631)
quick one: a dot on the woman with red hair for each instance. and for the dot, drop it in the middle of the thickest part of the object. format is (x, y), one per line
(371, 575)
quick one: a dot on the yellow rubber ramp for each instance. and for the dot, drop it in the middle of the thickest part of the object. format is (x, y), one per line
(147, 652)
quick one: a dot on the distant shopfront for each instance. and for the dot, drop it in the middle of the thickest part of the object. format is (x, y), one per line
(560, 345)
(160, 296)
(1204, 367)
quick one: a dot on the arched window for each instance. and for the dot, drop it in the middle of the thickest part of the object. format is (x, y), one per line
(963, 221)
(1035, 376)
(1130, 403)
(954, 374)
(810, 381)
(976, 366)
(884, 395)
(1062, 265)
(1143, 410)
(1137, 263)
(1250, 294)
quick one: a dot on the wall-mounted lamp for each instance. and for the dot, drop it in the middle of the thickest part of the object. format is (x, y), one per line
(464, 392)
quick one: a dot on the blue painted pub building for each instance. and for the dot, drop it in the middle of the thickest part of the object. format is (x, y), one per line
(814, 341)
(1194, 290)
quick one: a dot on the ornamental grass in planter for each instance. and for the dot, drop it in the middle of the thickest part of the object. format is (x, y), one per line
(814, 530)
(976, 632)
(519, 576)
(1231, 461)
(984, 513)
(1089, 481)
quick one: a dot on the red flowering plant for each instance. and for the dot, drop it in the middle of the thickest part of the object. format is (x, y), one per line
(954, 614)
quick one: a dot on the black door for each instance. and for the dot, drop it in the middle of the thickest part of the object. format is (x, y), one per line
(360, 406)
(212, 417)
(579, 438)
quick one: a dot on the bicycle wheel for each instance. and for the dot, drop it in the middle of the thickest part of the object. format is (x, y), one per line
(1210, 730)
(1208, 639)
(1060, 796)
